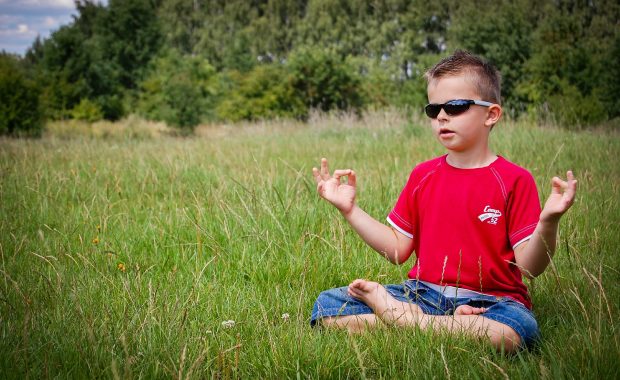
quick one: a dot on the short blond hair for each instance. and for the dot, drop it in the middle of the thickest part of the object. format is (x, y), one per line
(485, 77)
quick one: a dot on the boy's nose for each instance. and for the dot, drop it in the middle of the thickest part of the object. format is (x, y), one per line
(442, 115)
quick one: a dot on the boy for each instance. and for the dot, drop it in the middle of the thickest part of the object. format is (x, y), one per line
(472, 217)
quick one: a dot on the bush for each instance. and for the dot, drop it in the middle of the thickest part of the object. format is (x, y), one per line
(313, 78)
(111, 107)
(177, 90)
(325, 81)
(20, 113)
(86, 110)
(571, 109)
(265, 92)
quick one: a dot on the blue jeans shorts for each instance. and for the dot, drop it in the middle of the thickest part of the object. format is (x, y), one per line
(337, 302)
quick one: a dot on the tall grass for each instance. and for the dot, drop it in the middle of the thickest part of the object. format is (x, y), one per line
(123, 257)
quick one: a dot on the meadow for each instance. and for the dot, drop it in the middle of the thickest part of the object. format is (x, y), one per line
(129, 253)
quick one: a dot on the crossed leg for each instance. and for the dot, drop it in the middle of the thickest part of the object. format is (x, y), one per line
(390, 311)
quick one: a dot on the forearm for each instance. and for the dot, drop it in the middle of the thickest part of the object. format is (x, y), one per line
(378, 236)
(535, 256)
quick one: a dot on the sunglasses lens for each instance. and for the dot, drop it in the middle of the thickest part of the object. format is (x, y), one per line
(432, 110)
(452, 108)
(455, 108)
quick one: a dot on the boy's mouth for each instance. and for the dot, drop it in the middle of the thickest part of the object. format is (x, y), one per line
(445, 131)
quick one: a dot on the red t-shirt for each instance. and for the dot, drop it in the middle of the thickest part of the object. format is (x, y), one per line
(465, 224)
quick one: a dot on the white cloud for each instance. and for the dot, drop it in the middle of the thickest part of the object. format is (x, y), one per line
(20, 31)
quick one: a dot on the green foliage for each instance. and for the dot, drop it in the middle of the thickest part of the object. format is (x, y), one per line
(572, 47)
(180, 23)
(177, 90)
(87, 110)
(610, 88)
(506, 42)
(263, 93)
(382, 84)
(20, 113)
(312, 78)
(571, 109)
(131, 37)
(226, 37)
(323, 80)
(98, 57)
(334, 54)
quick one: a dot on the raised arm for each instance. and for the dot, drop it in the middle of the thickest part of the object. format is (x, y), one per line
(390, 243)
(534, 255)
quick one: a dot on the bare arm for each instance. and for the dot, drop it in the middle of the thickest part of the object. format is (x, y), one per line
(387, 241)
(390, 243)
(534, 256)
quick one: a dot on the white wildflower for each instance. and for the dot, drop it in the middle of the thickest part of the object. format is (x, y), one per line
(228, 324)
(286, 317)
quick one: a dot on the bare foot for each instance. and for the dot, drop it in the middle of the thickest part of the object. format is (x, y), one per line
(469, 310)
(371, 293)
(386, 307)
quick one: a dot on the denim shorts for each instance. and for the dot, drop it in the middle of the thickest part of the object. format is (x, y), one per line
(505, 310)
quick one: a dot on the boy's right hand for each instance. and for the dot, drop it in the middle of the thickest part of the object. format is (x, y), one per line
(341, 195)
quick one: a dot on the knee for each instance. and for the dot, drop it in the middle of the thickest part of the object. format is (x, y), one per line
(506, 340)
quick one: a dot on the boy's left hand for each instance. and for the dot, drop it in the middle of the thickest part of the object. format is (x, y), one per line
(561, 198)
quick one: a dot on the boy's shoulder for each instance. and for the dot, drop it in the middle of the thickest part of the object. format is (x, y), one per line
(501, 167)
(509, 168)
(430, 165)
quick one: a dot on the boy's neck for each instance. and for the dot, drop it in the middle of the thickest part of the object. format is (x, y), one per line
(470, 160)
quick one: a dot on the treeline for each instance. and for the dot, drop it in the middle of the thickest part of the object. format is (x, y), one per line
(192, 61)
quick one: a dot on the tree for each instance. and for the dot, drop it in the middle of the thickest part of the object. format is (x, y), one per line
(177, 89)
(19, 99)
(506, 42)
(263, 93)
(568, 70)
(323, 80)
(131, 37)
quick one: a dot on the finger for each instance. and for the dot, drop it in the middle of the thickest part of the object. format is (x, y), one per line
(572, 182)
(324, 168)
(557, 184)
(316, 174)
(351, 179)
(341, 172)
(352, 292)
(355, 284)
(571, 188)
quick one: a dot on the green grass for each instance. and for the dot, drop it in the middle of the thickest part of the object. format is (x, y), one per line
(227, 225)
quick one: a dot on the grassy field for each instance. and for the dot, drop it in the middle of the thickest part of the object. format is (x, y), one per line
(126, 255)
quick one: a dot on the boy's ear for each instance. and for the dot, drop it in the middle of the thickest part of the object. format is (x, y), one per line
(494, 113)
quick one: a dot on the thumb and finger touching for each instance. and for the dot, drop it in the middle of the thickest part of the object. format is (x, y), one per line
(564, 189)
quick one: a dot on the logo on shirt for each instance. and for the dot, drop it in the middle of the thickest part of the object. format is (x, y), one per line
(490, 215)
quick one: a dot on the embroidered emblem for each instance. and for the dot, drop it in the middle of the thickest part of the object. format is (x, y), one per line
(490, 215)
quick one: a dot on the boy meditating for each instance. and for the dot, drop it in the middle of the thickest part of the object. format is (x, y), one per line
(472, 217)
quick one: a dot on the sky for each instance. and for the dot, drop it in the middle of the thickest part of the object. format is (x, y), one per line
(22, 20)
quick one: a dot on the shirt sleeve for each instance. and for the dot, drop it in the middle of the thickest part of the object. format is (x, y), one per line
(523, 210)
(402, 215)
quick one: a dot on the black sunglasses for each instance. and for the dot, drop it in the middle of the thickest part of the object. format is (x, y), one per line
(453, 107)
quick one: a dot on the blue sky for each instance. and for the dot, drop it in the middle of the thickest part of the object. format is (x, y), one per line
(22, 20)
